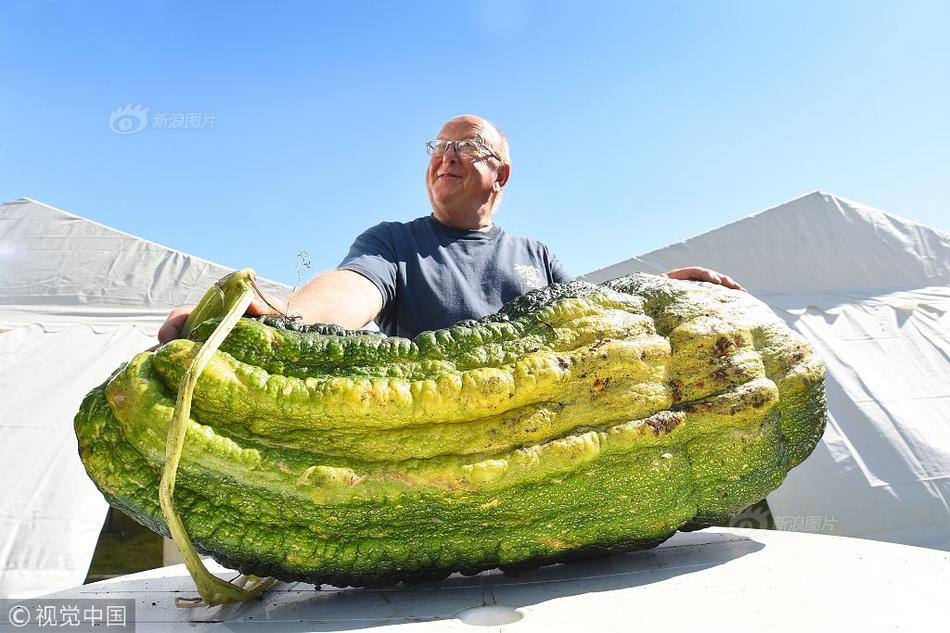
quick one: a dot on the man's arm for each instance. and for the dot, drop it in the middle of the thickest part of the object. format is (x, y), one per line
(335, 296)
(343, 297)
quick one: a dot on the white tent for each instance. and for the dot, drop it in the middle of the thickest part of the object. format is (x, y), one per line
(76, 300)
(870, 291)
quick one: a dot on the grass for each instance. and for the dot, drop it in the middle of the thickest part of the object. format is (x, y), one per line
(124, 547)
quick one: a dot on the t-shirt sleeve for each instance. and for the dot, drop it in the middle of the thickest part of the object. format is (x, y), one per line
(559, 274)
(373, 255)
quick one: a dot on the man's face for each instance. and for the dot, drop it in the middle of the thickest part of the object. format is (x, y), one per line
(458, 185)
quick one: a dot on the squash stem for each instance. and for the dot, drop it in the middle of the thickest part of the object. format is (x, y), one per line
(229, 298)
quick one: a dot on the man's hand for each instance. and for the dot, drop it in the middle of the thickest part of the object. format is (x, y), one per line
(696, 273)
(171, 328)
(335, 296)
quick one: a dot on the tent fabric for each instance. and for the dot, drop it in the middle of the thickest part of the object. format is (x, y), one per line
(56, 267)
(888, 439)
(869, 290)
(76, 300)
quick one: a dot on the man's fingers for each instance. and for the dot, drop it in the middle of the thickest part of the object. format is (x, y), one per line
(729, 282)
(171, 328)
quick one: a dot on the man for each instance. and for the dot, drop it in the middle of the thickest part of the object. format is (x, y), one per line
(436, 270)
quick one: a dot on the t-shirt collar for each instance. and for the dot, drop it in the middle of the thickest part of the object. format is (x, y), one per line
(467, 234)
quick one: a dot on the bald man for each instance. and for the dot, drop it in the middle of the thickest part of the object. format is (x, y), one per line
(441, 268)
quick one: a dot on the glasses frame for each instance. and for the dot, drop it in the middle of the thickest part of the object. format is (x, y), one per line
(480, 145)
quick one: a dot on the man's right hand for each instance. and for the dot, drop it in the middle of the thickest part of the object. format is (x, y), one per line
(171, 328)
(343, 297)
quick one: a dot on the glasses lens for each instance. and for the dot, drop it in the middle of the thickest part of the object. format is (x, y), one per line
(468, 148)
(439, 147)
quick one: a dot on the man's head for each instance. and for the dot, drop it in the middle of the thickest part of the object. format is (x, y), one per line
(464, 187)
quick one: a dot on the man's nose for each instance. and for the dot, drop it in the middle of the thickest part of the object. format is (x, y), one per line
(448, 161)
(451, 152)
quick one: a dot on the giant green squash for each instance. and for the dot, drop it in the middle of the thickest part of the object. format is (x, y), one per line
(579, 420)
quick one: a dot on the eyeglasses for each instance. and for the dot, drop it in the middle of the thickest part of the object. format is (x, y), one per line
(470, 148)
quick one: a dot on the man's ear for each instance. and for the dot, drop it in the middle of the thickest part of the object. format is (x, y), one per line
(503, 173)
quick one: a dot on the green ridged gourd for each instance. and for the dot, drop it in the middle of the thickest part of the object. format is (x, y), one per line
(579, 420)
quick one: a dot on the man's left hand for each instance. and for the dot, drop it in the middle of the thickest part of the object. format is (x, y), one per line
(696, 273)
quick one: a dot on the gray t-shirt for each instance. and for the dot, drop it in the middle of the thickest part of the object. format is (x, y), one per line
(432, 275)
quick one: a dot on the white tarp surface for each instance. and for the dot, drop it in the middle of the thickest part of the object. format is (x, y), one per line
(76, 300)
(870, 291)
(716, 579)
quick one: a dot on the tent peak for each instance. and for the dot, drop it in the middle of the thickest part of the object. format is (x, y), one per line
(838, 204)
(817, 241)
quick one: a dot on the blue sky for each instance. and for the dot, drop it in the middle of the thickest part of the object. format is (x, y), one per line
(632, 124)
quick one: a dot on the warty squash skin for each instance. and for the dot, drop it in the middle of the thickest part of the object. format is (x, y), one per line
(579, 420)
